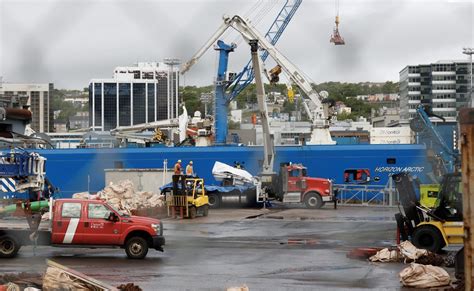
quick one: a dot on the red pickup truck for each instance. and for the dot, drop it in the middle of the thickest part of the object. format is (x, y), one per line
(88, 224)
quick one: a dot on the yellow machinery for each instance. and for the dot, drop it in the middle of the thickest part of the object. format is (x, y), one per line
(429, 195)
(434, 228)
(187, 197)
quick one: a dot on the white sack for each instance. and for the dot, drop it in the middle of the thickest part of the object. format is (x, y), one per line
(424, 276)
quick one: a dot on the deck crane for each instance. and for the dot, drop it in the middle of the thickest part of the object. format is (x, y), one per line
(316, 108)
(241, 80)
(245, 77)
(268, 147)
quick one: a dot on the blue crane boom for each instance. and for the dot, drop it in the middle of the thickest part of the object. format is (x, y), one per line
(246, 76)
(422, 123)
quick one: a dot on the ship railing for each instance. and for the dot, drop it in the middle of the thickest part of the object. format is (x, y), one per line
(367, 195)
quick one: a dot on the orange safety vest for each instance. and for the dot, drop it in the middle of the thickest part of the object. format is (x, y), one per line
(177, 169)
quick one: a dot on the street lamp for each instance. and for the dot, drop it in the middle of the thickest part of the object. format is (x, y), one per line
(206, 98)
(469, 51)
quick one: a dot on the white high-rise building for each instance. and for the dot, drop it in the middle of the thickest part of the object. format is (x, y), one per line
(137, 94)
(445, 83)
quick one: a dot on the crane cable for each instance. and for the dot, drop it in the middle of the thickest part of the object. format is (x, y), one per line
(269, 6)
(250, 11)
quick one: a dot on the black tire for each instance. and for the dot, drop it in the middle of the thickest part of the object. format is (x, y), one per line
(9, 246)
(192, 212)
(205, 210)
(313, 200)
(429, 238)
(136, 247)
(214, 201)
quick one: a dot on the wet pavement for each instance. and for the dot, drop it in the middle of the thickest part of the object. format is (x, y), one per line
(278, 249)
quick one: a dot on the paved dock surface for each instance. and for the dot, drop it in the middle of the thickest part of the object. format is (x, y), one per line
(278, 249)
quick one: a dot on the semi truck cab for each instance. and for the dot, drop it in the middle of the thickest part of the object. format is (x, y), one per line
(89, 224)
(297, 187)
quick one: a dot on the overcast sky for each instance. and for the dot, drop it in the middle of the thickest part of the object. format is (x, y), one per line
(69, 42)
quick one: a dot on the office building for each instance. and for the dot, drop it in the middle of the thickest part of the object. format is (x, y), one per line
(138, 94)
(445, 83)
(37, 101)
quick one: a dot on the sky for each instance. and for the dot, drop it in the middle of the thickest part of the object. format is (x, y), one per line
(70, 42)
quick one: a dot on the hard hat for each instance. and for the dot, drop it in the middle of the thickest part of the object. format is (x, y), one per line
(191, 162)
(179, 161)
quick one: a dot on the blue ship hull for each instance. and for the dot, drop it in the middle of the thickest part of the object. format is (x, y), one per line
(78, 170)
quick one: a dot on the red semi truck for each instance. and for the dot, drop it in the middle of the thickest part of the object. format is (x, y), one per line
(87, 224)
(294, 186)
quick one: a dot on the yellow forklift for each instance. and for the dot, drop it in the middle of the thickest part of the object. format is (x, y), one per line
(187, 197)
(430, 228)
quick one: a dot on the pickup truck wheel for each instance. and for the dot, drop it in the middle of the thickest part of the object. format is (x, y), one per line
(192, 212)
(9, 247)
(205, 210)
(214, 201)
(313, 200)
(136, 247)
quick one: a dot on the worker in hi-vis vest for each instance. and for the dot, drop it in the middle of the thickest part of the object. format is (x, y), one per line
(177, 168)
(189, 169)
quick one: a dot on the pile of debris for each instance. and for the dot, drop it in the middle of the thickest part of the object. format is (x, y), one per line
(58, 277)
(21, 281)
(423, 271)
(122, 196)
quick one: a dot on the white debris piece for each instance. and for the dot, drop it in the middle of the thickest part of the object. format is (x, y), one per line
(84, 195)
(424, 276)
(385, 255)
(410, 252)
(122, 196)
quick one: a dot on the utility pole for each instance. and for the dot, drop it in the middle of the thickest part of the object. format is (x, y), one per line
(466, 117)
(470, 51)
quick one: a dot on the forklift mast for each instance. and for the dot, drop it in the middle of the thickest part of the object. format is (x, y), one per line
(407, 193)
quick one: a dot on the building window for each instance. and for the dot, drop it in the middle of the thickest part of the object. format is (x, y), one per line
(139, 103)
(90, 104)
(98, 104)
(162, 97)
(124, 104)
(151, 102)
(110, 106)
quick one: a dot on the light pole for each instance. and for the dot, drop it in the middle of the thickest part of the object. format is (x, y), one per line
(206, 98)
(470, 51)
